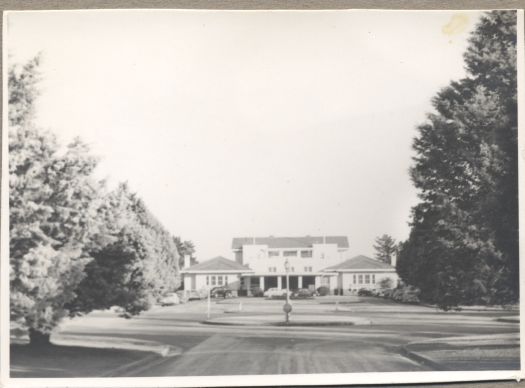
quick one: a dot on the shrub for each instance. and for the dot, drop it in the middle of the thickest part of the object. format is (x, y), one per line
(386, 283)
(406, 294)
(323, 291)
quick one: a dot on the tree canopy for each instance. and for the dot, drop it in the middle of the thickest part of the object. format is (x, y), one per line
(463, 245)
(74, 246)
(385, 247)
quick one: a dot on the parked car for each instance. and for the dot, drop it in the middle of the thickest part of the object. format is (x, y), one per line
(256, 291)
(323, 291)
(193, 294)
(275, 293)
(385, 292)
(364, 292)
(221, 292)
(169, 299)
(302, 293)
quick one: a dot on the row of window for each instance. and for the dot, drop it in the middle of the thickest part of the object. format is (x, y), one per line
(306, 254)
(292, 269)
(365, 279)
(216, 280)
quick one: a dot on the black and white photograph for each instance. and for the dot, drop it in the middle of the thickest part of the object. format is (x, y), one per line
(227, 197)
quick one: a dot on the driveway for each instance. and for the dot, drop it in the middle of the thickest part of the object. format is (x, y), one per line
(231, 350)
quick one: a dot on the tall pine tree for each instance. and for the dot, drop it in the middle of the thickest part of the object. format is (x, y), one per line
(53, 204)
(463, 247)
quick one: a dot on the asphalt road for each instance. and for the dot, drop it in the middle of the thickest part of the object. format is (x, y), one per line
(248, 350)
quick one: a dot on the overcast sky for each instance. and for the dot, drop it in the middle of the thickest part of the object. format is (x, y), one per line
(258, 123)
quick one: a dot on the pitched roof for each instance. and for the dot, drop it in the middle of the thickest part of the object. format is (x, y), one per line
(360, 262)
(290, 242)
(218, 263)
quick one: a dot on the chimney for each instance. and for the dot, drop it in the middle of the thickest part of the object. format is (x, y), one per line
(187, 260)
(393, 260)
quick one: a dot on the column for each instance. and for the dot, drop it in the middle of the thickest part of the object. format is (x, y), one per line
(248, 286)
(279, 282)
(261, 282)
(299, 281)
(317, 282)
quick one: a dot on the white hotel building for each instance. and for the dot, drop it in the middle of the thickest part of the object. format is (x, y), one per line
(313, 261)
(306, 256)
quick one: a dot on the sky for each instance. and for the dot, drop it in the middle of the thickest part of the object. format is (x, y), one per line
(249, 123)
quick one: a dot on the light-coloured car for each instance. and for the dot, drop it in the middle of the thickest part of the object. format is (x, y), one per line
(275, 293)
(170, 299)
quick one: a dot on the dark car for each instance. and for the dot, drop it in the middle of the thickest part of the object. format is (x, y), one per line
(303, 293)
(364, 292)
(221, 292)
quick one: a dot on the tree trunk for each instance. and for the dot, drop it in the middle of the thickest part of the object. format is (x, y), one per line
(37, 338)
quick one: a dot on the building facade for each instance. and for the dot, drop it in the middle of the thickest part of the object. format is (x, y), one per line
(216, 272)
(310, 261)
(306, 257)
(362, 272)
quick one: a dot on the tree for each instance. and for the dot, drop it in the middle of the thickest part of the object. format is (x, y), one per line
(53, 203)
(385, 247)
(138, 264)
(73, 246)
(185, 248)
(463, 246)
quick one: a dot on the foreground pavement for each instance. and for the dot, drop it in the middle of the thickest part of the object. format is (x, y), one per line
(398, 338)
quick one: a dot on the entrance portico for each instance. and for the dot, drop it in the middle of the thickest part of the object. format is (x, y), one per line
(265, 282)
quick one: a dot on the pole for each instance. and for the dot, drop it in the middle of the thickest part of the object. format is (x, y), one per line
(209, 302)
(287, 294)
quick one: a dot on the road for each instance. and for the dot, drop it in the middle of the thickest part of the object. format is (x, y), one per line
(241, 350)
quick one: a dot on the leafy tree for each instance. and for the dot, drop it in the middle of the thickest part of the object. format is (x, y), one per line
(53, 206)
(74, 247)
(385, 247)
(136, 267)
(463, 247)
(185, 248)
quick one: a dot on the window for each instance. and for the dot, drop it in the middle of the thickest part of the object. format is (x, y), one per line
(207, 280)
(219, 280)
(360, 278)
(226, 279)
(273, 253)
(213, 280)
(290, 253)
(355, 280)
(367, 279)
(307, 269)
(306, 254)
(373, 279)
